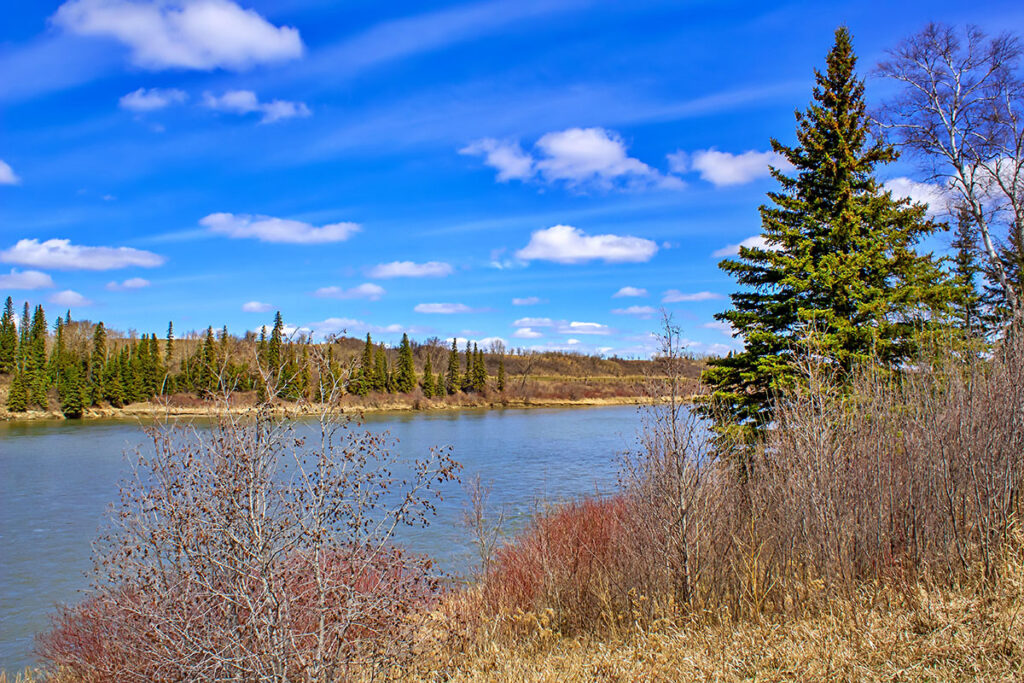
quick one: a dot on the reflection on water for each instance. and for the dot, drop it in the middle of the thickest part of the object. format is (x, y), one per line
(57, 478)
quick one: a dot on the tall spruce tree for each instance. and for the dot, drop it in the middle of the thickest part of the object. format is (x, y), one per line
(428, 379)
(405, 372)
(838, 259)
(97, 363)
(453, 381)
(967, 300)
(38, 380)
(8, 338)
(501, 373)
(274, 347)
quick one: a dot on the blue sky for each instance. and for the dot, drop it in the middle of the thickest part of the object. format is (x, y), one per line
(548, 173)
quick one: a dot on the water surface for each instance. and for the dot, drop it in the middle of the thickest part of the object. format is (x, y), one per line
(57, 479)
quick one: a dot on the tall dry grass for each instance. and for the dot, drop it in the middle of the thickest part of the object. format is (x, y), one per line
(884, 483)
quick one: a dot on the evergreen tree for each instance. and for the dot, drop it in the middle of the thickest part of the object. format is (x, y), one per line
(967, 302)
(113, 387)
(70, 390)
(428, 379)
(35, 368)
(363, 379)
(467, 376)
(97, 361)
(997, 311)
(439, 389)
(274, 348)
(405, 373)
(207, 361)
(479, 370)
(8, 338)
(453, 381)
(501, 373)
(17, 393)
(838, 259)
(381, 375)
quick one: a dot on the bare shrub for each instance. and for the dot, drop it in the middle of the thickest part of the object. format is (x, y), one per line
(259, 549)
(883, 480)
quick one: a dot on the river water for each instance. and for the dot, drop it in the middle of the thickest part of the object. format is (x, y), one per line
(57, 478)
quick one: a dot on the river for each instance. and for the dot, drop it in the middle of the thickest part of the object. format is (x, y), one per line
(57, 478)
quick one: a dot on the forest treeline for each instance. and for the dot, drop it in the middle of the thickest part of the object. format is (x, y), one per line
(81, 364)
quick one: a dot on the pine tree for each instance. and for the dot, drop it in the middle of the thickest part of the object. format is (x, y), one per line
(8, 338)
(997, 310)
(405, 373)
(207, 361)
(838, 261)
(35, 372)
(479, 370)
(17, 393)
(453, 381)
(97, 361)
(428, 379)
(381, 375)
(467, 376)
(363, 380)
(113, 387)
(274, 347)
(967, 302)
(70, 390)
(439, 390)
(501, 373)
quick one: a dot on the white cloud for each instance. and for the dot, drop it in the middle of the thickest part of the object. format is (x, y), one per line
(26, 279)
(7, 174)
(641, 311)
(920, 193)
(527, 333)
(722, 168)
(256, 307)
(190, 34)
(578, 157)
(507, 157)
(630, 291)
(246, 102)
(130, 283)
(278, 230)
(62, 255)
(151, 99)
(367, 290)
(353, 326)
(442, 308)
(675, 296)
(410, 269)
(527, 301)
(534, 322)
(755, 241)
(566, 244)
(585, 328)
(69, 298)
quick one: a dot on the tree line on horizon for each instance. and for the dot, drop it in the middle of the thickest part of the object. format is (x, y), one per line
(119, 372)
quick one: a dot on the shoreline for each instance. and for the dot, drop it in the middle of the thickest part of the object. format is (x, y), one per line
(152, 410)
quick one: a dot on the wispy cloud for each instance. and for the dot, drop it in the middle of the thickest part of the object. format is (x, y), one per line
(279, 230)
(246, 102)
(367, 290)
(566, 244)
(443, 308)
(410, 269)
(256, 307)
(673, 296)
(69, 298)
(629, 292)
(129, 284)
(579, 158)
(143, 100)
(190, 34)
(26, 279)
(722, 169)
(61, 254)
(7, 174)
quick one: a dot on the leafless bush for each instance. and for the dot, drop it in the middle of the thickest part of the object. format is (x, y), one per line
(887, 479)
(259, 549)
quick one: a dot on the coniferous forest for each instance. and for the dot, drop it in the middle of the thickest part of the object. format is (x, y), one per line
(74, 365)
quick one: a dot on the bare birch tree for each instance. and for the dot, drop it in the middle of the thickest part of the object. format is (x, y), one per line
(961, 110)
